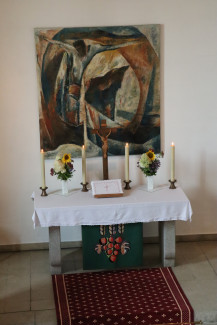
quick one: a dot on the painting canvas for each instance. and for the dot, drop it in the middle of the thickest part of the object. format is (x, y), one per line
(90, 74)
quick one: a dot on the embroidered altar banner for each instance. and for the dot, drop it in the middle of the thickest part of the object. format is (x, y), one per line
(134, 297)
(90, 74)
(112, 247)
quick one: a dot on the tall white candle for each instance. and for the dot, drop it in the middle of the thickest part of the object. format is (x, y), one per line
(42, 169)
(83, 165)
(172, 162)
(127, 162)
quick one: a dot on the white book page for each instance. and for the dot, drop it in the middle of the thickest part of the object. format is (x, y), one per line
(112, 186)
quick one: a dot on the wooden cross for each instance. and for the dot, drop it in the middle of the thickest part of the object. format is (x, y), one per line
(104, 133)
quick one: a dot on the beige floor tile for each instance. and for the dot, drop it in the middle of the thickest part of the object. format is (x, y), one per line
(40, 262)
(41, 282)
(42, 293)
(21, 318)
(208, 318)
(72, 260)
(198, 280)
(19, 263)
(151, 255)
(191, 257)
(45, 317)
(15, 283)
(15, 263)
(4, 258)
(202, 295)
(209, 248)
(16, 294)
(3, 293)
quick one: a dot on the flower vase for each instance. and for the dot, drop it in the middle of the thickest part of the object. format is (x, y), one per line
(64, 186)
(150, 183)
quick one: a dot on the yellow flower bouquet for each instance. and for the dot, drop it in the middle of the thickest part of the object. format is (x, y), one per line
(63, 167)
(149, 162)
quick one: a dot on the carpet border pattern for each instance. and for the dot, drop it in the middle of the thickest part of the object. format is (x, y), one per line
(65, 305)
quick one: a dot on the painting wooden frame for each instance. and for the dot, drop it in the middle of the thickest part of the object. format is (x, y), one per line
(89, 74)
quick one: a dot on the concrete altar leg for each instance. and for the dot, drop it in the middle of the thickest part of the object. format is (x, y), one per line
(167, 232)
(55, 250)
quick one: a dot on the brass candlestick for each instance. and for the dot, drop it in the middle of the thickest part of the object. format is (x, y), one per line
(43, 191)
(172, 184)
(127, 185)
(84, 188)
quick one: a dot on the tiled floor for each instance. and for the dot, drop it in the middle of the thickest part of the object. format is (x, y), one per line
(26, 296)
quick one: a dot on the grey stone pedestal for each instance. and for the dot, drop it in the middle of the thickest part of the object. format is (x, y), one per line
(167, 233)
(55, 250)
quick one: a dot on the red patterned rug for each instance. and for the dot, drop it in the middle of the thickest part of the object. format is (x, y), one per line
(147, 296)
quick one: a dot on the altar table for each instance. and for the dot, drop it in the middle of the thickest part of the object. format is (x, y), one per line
(136, 205)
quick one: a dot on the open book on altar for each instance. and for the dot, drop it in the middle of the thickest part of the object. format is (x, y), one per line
(107, 188)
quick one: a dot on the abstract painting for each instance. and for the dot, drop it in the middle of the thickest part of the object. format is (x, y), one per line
(89, 74)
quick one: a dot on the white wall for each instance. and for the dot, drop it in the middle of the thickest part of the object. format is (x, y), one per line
(188, 93)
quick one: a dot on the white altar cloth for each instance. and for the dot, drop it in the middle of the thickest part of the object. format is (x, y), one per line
(136, 205)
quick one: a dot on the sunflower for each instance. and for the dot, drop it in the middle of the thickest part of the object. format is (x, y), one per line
(150, 154)
(66, 158)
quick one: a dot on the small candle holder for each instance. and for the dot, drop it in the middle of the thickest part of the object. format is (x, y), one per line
(43, 191)
(84, 188)
(172, 184)
(127, 185)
